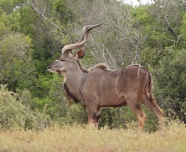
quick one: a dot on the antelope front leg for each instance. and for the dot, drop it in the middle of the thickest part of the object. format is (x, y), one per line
(97, 116)
(92, 116)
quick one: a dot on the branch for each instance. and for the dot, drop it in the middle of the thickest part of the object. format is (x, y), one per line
(35, 7)
(173, 33)
(170, 29)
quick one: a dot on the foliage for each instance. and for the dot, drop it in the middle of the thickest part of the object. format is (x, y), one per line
(123, 117)
(183, 27)
(16, 65)
(15, 111)
(33, 32)
(171, 81)
(12, 112)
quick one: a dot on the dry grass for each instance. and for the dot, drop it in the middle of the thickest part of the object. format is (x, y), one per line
(80, 139)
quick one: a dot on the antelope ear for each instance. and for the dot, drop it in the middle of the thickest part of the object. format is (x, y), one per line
(80, 54)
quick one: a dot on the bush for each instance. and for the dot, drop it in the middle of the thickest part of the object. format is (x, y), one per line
(170, 83)
(16, 113)
(12, 113)
(123, 117)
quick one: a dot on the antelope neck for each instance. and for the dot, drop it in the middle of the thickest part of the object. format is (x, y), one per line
(75, 83)
(81, 85)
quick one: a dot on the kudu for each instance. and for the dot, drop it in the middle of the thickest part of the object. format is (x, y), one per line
(100, 87)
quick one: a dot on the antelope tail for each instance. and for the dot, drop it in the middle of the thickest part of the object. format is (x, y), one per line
(150, 94)
(149, 90)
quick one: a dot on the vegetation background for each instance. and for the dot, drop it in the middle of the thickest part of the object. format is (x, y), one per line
(32, 33)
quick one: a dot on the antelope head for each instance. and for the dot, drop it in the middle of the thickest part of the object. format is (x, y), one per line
(68, 60)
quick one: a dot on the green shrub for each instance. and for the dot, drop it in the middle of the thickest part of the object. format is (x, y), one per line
(15, 112)
(12, 113)
(123, 117)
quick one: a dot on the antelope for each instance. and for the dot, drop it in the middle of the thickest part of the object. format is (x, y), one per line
(101, 87)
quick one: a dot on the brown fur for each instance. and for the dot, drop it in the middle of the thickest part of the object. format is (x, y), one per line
(82, 67)
(99, 66)
(69, 95)
(100, 87)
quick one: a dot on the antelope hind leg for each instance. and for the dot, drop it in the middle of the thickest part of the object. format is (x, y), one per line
(154, 108)
(141, 116)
